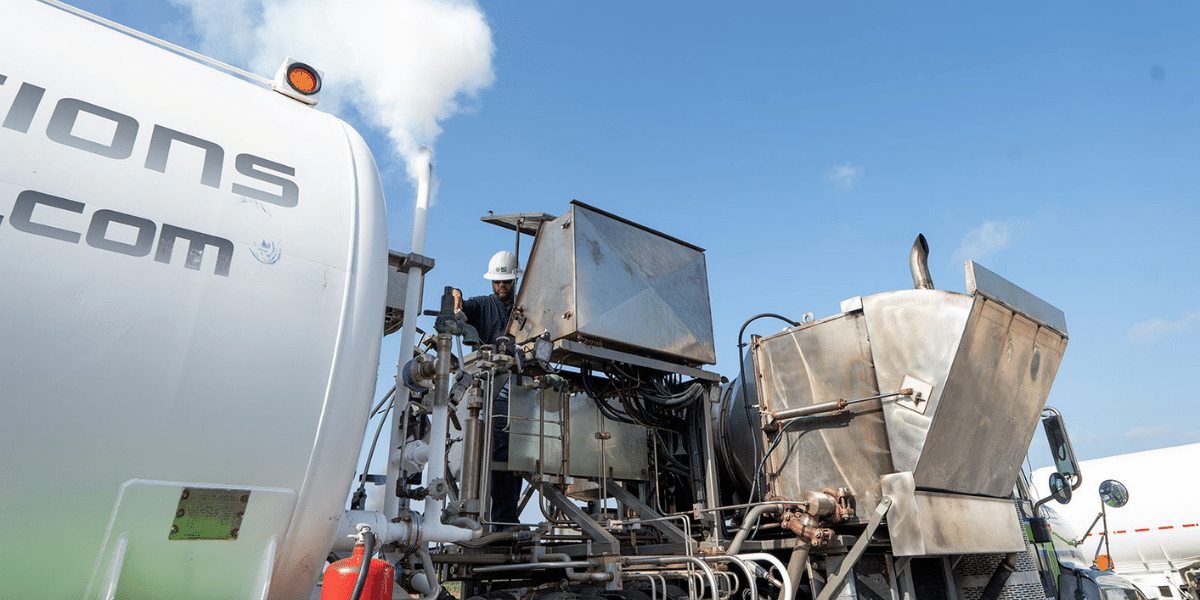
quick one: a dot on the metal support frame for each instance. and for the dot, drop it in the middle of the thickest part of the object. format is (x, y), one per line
(604, 542)
(648, 514)
(710, 466)
(838, 579)
(568, 351)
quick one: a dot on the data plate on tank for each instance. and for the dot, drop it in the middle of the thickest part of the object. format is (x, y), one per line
(209, 514)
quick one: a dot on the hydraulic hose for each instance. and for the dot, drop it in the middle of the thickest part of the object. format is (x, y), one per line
(364, 566)
(742, 377)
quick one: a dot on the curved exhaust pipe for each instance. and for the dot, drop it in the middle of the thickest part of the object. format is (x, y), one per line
(918, 262)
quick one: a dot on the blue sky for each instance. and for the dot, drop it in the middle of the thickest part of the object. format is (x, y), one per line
(805, 145)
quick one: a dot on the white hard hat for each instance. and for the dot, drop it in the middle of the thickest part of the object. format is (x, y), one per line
(502, 267)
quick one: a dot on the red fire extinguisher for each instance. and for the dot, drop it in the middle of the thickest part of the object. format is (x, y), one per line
(346, 580)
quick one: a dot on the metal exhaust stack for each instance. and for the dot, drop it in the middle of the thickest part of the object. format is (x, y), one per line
(423, 167)
(918, 262)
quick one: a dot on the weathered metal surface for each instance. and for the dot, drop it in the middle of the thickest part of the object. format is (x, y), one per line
(812, 364)
(981, 281)
(595, 447)
(983, 369)
(990, 404)
(600, 279)
(922, 523)
(914, 333)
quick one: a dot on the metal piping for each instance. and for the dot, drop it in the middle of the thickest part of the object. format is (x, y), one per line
(835, 581)
(1000, 576)
(431, 580)
(386, 532)
(918, 263)
(538, 566)
(472, 449)
(671, 560)
(789, 591)
(653, 588)
(559, 561)
(798, 563)
(736, 545)
(412, 309)
(742, 565)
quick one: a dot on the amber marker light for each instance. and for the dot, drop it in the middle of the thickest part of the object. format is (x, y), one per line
(303, 79)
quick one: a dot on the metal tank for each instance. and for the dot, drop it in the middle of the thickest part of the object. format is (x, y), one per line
(925, 396)
(180, 416)
(598, 279)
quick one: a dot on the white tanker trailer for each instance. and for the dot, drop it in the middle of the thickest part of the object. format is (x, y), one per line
(196, 272)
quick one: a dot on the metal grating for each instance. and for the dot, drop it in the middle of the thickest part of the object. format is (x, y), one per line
(971, 575)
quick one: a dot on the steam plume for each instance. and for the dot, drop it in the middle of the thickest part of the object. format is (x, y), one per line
(402, 65)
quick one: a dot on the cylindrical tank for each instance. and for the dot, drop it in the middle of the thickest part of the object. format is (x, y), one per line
(196, 272)
(739, 436)
(341, 577)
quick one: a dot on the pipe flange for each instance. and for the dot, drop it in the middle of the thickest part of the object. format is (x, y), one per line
(807, 528)
(843, 504)
(415, 534)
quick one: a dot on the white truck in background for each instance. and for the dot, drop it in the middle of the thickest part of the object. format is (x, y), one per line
(1154, 540)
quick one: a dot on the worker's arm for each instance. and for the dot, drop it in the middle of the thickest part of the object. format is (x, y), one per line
(460, 311)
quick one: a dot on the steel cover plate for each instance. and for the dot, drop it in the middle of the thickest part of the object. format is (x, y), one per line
(924, 523)
(815, 363)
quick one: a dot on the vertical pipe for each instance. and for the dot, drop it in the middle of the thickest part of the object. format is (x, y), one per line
(485, 462)
(918, 263)
(473, 449)
(439, 424)
(422, 165)
(423, 169)
(798, 563)
(713, 396)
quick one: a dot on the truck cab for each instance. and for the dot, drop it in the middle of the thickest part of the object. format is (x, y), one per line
(1082, 583)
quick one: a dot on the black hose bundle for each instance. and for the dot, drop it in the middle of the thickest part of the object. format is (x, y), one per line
(643, 397)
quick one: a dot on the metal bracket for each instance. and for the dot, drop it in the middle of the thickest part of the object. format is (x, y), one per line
(647, 513)
(837, 580)
(918, 400)
(593, 529)
(403, 262)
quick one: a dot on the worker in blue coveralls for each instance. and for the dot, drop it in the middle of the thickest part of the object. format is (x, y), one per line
(489, 316)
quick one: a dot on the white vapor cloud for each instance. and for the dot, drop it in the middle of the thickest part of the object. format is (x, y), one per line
(403, 65)
(845, 176)
(989, 238)
(1154, 329)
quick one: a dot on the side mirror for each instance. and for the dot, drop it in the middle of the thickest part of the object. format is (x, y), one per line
(1060, 490)
(1060, 446)
(1113, 493)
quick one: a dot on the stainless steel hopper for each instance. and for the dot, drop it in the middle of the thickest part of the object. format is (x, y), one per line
(599, 279)
(980, 367)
